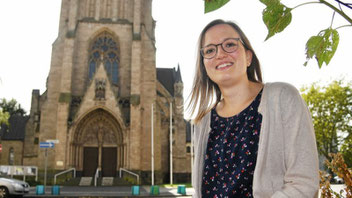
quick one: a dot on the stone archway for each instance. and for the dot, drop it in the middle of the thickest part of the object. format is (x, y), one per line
(98, 143)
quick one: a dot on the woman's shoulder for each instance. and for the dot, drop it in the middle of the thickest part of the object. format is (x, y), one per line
(283, 95)
(280, 89)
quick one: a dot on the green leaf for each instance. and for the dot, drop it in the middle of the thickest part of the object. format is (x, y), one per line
(269, 2)
(323, 46)
(211, 5)
(276, 17)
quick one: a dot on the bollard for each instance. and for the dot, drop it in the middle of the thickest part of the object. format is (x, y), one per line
(154, 190)
(39, 190)
(181, 189)
(55, 190)
(135, 190)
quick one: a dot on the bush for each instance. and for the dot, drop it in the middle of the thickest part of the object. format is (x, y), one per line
(32, 182)
(130, 180)
(339, 167)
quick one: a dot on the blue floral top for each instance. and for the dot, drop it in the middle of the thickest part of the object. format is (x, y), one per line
(231, 153)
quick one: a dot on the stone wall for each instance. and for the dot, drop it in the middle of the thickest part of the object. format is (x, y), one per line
(54, 117)
(17, 147)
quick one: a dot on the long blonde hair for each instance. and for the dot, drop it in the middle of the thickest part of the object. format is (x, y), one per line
(205, 93)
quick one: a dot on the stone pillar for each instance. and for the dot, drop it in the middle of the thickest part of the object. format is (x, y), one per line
(181, 165)
(137, 17)
(65, 89)
(114, 10)
(64, 101)
(103, 11)
(32, 126)
(73, 12)
(135, 116)
(97, 10)
(125, 156)
(100, 154)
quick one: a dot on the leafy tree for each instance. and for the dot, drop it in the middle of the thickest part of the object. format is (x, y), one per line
(331, 110)
(4, 117)
(277, 17)
(347, 151)
(12, 107)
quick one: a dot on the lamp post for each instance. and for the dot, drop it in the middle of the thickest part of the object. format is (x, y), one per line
(171, 179)
(192, 155)
(152, 143)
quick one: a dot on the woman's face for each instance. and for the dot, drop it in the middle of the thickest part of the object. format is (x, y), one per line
(226, 69)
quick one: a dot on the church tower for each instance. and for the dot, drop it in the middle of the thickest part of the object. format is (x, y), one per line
(100, 90)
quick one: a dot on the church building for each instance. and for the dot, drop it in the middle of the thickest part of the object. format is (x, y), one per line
(104, 97)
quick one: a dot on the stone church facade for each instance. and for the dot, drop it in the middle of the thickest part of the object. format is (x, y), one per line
(101, 87)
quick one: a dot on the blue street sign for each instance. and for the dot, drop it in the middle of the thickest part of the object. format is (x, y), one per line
(46, 145)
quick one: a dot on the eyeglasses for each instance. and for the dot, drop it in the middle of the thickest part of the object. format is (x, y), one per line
(229, 45)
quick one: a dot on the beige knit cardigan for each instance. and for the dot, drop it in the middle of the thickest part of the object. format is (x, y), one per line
(287, 160)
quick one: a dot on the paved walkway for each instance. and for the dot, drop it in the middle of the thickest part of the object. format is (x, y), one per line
(107, 191)
(120, 191)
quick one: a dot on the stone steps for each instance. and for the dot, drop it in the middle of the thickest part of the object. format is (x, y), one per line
(107, 181)
(102, 181)
(85, 181)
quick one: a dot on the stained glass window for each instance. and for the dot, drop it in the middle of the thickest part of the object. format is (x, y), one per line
(104, 48)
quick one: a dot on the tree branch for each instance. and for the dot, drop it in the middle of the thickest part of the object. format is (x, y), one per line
(305, 4)
(348, 5)
(337, 10)
(332, 20)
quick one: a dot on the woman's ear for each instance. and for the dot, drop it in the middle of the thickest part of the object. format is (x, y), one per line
(249, 56)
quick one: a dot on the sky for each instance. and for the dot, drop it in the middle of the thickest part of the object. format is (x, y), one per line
(29, 29)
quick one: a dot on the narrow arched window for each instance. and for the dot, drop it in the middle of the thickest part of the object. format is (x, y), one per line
(188, 149)
(104, 48)
(11, 156)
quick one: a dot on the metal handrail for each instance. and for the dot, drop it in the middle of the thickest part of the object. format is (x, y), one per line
(132, 173)
(63, 172)
(96, 176)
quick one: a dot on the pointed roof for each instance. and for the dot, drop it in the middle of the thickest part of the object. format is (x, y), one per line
(16, 129)
(168, 77)
(178, 74)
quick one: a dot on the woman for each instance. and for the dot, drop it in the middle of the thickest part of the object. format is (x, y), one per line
(251, 139)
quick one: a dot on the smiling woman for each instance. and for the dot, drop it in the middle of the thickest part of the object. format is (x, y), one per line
(238, 64)
(31, 61)
(283, 62)
(236, 110)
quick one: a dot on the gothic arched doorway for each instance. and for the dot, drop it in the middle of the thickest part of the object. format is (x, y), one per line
(98, 143)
